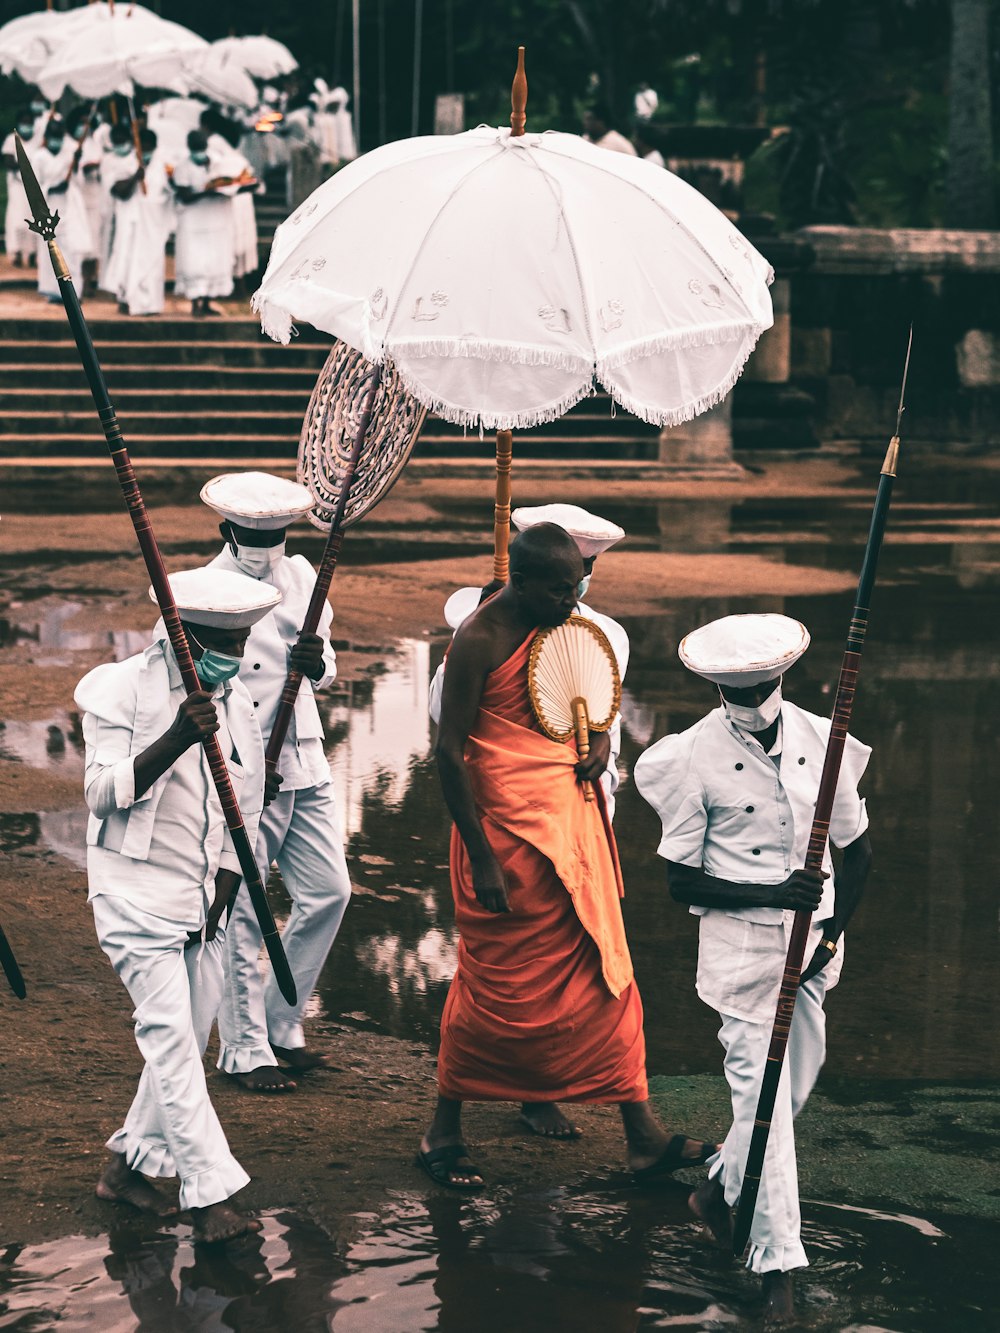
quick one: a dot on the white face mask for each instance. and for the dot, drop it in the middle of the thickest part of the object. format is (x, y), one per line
(755, 719)
(259, 561)
(582, 586)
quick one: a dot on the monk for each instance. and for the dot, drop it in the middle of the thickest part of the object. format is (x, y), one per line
(543, 1007)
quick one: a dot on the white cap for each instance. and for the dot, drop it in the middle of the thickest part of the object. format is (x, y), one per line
(460, 606)
(591, 534)
(257, 500)
(744, 650)
(219, 598)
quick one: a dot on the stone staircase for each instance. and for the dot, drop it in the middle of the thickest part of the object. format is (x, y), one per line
(189, 389)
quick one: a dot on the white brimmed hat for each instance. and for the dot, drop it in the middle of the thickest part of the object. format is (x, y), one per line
(257, 500)
(744, 650)
(591, 534)
(220, 599)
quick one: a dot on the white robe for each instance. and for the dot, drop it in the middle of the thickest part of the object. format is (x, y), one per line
(18, 240)
(745, 816)
(136, 272)
(203, 257)
(73, 233)
(113, 169)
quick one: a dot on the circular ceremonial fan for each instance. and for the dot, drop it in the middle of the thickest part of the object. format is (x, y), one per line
(330, 427)
(574, 683)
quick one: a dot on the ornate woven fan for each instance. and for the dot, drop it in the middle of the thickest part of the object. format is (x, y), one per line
(330, 427)
(574, 683)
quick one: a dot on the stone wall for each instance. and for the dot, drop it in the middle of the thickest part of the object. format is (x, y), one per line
(851, 298)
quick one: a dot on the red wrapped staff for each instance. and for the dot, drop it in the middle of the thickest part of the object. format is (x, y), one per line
(846, 689)
(44, 223)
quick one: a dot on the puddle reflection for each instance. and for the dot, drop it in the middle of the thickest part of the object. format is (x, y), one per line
(566, 1259)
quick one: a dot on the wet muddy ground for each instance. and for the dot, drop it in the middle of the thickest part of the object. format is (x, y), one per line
(902, 1127)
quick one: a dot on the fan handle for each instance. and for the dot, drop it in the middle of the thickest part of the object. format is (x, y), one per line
(581, 725)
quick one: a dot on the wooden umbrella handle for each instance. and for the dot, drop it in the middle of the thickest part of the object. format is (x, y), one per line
(501, 510)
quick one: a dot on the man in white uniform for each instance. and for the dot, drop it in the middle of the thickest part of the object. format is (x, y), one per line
(18, 240)
(59, 177)
(593, 536)
(598, 127)
(299, 828)
(204, 255)
(136, 272)
(162, 869)
(735, 794)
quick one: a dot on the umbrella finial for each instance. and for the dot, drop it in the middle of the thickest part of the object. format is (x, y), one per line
(518, 97)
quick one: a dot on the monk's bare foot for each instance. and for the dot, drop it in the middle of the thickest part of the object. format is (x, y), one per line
(446, 1161)
(708, 1203)
(265, 1078)
(546, 1120)
(779, 1302)
(301, 1060)
(120, 1184)
(219, 1222)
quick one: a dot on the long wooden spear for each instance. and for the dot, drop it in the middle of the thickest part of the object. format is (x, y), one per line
(324, 575)
(10, 968)
(820, 832)
(44, 223)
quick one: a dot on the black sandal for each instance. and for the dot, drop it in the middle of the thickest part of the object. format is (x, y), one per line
(672, 1158)
(441, 1163)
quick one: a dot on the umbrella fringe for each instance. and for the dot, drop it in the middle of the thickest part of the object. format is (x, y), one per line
(679, 415)
(476, 349)
(274, 321)
(495, 421)
(709, 335)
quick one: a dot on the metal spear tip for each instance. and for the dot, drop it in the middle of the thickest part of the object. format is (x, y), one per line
(42, 221)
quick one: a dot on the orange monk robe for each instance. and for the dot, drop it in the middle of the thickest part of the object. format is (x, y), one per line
(543, 1006)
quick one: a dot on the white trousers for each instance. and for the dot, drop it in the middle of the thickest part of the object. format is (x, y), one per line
(299, 831)
(18, 240)
(775, 1242)
(171, 1128)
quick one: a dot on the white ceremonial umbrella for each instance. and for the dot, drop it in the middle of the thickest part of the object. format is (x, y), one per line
(27, 42)
(109, 48)
(503, 274)
(219, 76)
(263, 57)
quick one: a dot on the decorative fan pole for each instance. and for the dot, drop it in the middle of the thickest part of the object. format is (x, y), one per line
(505, 440)
(324, 576)
(44, 224)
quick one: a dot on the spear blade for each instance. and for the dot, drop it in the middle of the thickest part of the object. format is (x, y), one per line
(43, 221)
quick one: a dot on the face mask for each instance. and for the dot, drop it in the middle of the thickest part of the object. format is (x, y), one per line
(215, 668)
(122, 149)
(25, 130)
(199, 159)
(755, 719)
(39, 107)
(53, 145)
(259, 561)
(582, 586)
(146, 159)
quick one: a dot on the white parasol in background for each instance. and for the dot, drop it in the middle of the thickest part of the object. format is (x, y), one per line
(106, 49)
(503, 274)
(218, 76)
(263, 57)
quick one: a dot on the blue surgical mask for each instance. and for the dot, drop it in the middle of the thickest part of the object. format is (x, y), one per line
(54, 145)
(146, 159)
(582, 586)
(26, 129)
(200, 159)
(122, 149)
(39, 107)
(215, 668)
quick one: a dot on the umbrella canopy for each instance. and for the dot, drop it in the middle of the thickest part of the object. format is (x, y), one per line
(27, 42)
(219, 76)
(105, 50)
(262, 57)
(502, 275)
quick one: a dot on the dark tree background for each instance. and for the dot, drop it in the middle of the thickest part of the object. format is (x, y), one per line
(889, 120)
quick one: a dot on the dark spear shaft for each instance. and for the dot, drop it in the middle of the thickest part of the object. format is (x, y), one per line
(11, 970)
(820, 832)
(324, 576)
(45, 224)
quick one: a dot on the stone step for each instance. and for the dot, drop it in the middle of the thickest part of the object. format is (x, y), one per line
(223, 329)
(183, 400)
(139, 422)
(167, 353)
(155, 378)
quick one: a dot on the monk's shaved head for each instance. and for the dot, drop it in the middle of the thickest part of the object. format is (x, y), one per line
(537, 549)
(545, 573)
